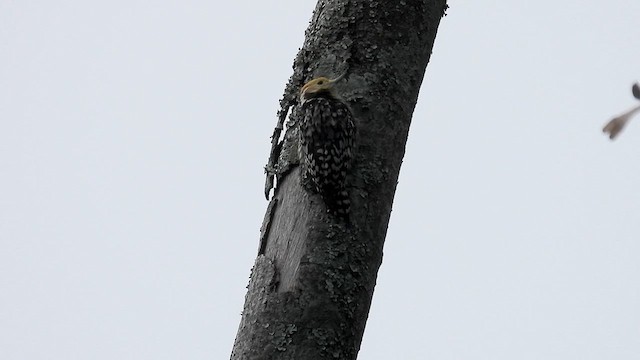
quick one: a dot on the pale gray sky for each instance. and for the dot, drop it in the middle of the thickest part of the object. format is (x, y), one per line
(133, 136)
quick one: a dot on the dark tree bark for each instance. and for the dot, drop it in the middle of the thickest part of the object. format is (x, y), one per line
(312, 283)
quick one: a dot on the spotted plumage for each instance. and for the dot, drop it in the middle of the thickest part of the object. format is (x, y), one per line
(326, 144)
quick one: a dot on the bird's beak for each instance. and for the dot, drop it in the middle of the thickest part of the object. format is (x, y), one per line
(338, 78)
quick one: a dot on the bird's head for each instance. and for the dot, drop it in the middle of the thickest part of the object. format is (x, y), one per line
(317, 87)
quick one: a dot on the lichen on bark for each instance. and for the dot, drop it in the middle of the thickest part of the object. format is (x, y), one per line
(311, 287)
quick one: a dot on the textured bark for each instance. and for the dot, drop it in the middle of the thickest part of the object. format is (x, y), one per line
(312, 283)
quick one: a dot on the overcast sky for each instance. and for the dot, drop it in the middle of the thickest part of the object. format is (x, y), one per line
(133, 136)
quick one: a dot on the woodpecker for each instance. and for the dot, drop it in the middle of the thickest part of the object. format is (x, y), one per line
(326, 141)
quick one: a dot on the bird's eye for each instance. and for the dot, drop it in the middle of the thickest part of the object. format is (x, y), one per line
(320, 82)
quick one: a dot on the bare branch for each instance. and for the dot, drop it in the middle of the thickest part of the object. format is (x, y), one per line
(617, 124)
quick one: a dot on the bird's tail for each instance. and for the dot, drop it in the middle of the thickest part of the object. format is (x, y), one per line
(338, 203)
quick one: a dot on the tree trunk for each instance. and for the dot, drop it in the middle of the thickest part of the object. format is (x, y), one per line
(312, 283)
